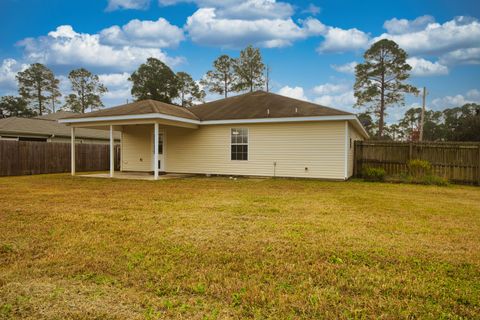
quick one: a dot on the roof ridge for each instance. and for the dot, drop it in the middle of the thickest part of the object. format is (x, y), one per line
(228, 98)
(152, 102)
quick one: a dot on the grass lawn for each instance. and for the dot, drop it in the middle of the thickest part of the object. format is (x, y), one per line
(222, 249)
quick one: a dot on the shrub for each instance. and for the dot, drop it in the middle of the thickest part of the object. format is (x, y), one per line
(433, 180)
(418, 169)
(373, 174)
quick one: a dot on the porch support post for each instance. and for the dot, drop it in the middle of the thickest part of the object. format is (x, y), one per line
(347, 148)
(112, 156)
(72, 150)
(155, 151)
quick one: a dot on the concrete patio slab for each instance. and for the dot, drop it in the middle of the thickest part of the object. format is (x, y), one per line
(136, 176)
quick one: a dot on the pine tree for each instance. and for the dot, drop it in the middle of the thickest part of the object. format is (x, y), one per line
(249, 68)
(188, 89)
(36, 85)
(87, 91)
(154, 80)
(380, 80)
(222, 78)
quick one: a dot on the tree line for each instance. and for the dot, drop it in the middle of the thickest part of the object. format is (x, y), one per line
(451, 124)
(39, 93)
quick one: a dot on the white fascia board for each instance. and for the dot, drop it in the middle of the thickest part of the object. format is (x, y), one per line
(362, 129)
(274, 120)
(153, 116)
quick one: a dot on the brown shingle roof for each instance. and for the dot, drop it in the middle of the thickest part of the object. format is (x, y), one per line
(47, 128)
(253, 105)
(141, 107)
(261, 104)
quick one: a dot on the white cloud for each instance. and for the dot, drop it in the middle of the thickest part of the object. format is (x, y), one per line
(461, 56)
(459, 33)
(293, 92)
(401, 26)
(244, 10)
(344, 100)
(330, 88)
(119, 88)
(64, 46)
(348, 68)
(336, 95)
(422, 67)
(312, 9)
(146, 33)
(255, 9)
(341, 40)
(206, 28)
(472, 96)
(127, 4)
(313, 27)
(8, 70)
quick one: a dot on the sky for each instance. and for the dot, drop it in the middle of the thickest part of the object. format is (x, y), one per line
(311, 47)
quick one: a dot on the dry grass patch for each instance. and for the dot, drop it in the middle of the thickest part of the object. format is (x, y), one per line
(223, 249)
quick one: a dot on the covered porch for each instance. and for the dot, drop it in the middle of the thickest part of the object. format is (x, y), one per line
(143, 147)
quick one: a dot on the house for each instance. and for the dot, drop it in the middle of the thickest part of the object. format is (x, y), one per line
(254, 134)
(46, 128)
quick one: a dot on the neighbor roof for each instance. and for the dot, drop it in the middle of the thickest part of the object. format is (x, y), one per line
(47, 128)
(56, 115)
(261, 104)
(141, 107)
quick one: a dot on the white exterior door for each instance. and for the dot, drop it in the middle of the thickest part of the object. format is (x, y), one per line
(161, 151)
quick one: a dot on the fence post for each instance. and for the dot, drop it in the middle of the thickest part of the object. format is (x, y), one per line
(410, 150)
(478, 165)
(355, 147)
(357, 151)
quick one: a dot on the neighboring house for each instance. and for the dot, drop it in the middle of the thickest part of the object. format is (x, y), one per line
(47, 129)
(254, 134)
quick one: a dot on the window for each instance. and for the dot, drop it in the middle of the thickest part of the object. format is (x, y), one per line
(239, 144)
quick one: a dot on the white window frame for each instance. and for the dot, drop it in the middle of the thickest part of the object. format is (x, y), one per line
(237, 144)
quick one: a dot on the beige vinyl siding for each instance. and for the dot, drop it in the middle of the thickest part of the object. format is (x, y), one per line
(354, 136)
(136, 148)
(317, 146)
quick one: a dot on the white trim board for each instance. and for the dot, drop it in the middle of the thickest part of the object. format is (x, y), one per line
(216, 122)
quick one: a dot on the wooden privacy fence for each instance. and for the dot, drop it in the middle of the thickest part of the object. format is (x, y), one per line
(28, 157)
(456, 161)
